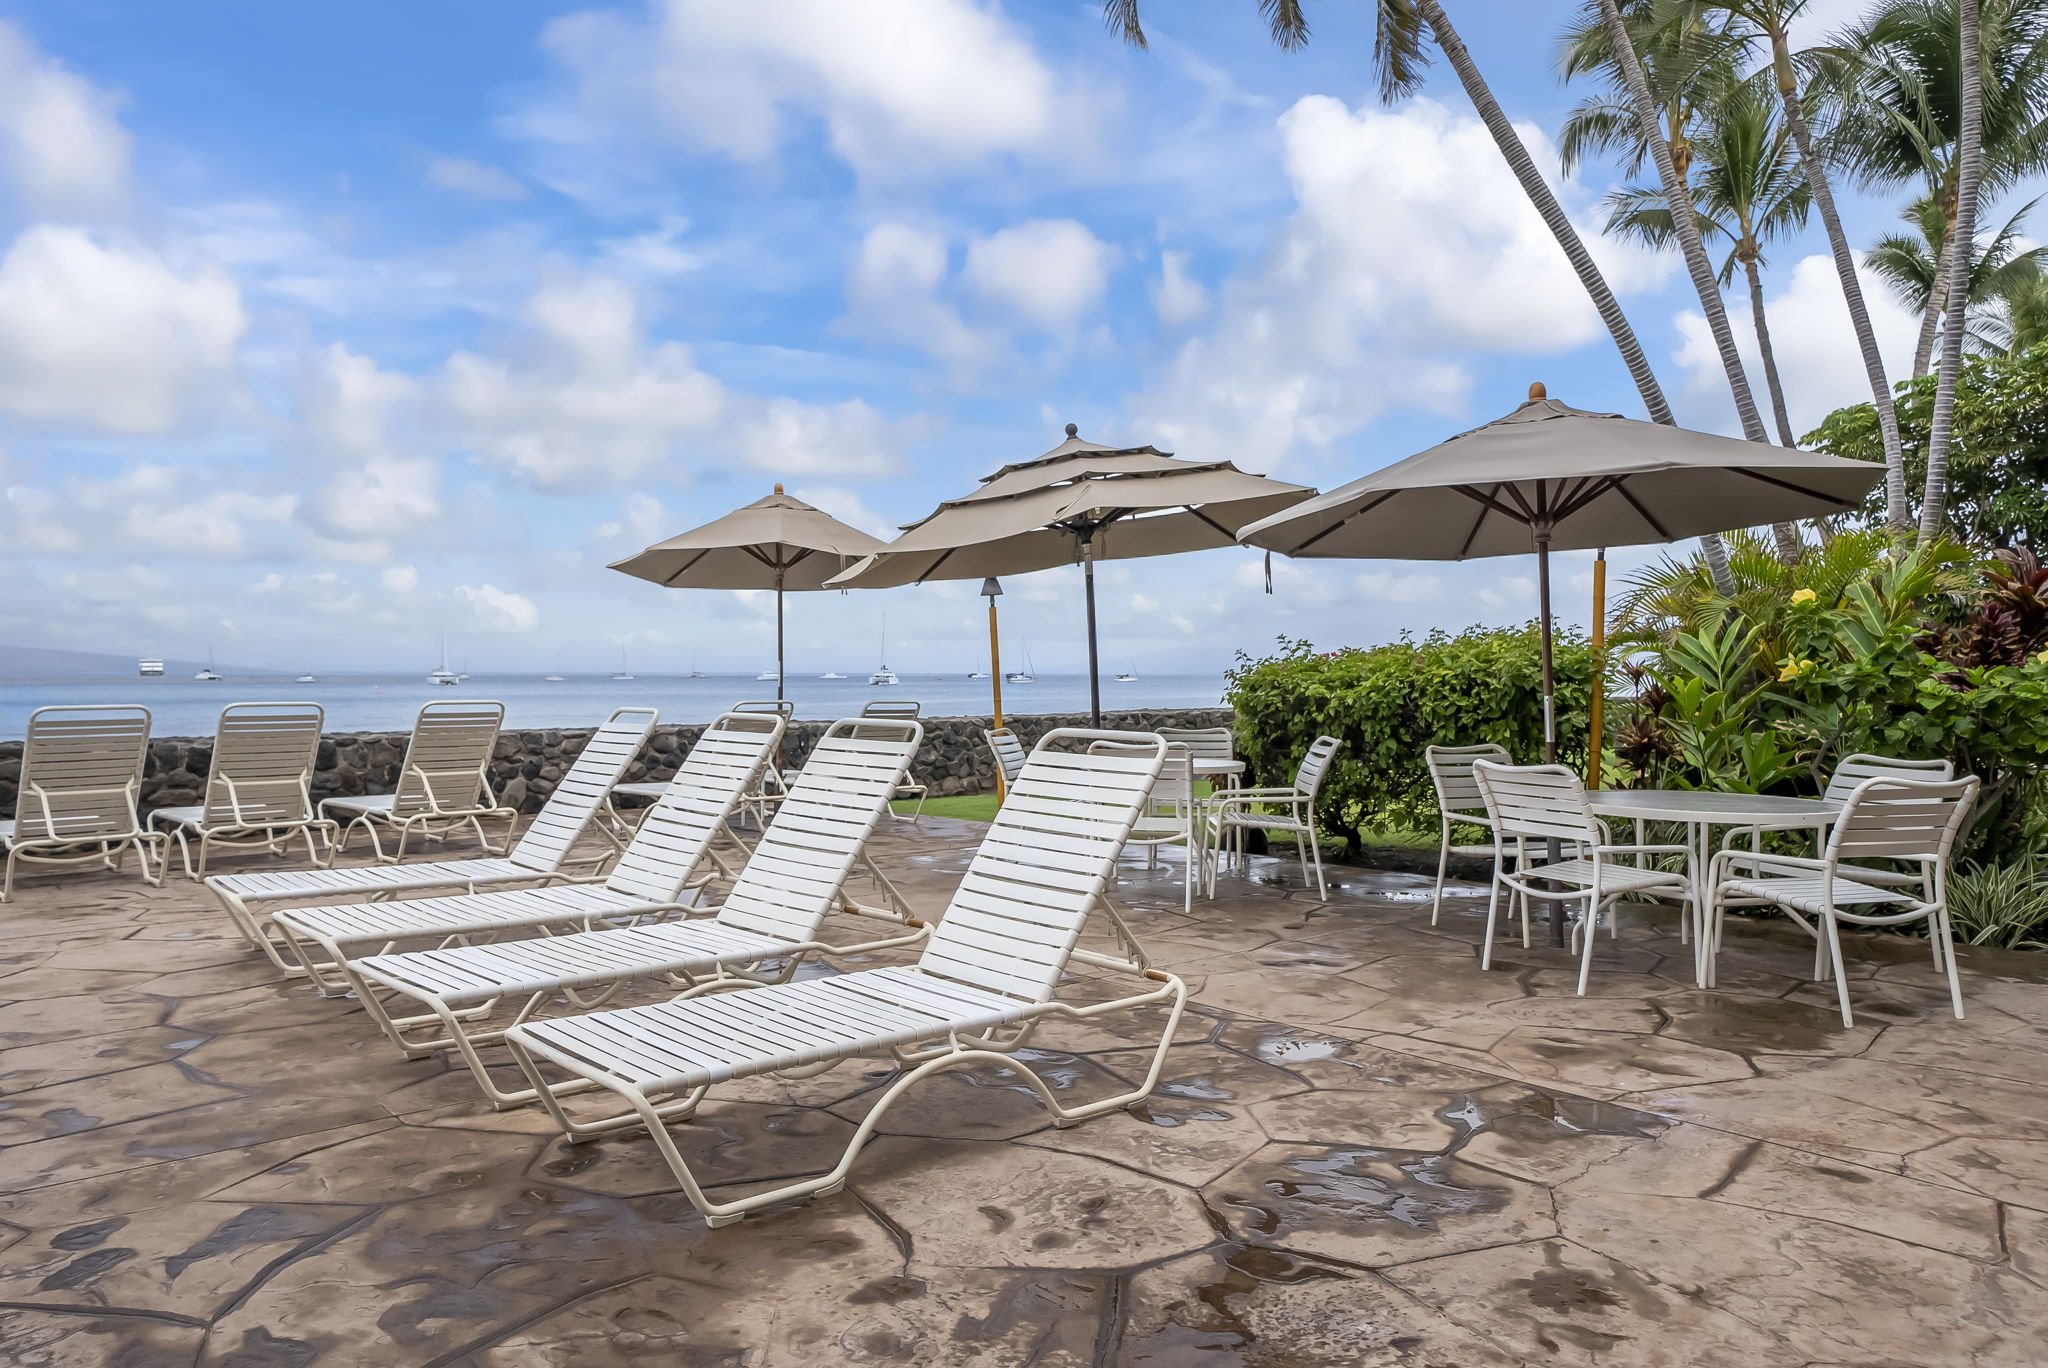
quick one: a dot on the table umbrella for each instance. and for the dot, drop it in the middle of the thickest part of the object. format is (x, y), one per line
(1084, 502)
(1552, 477)
(779, 543)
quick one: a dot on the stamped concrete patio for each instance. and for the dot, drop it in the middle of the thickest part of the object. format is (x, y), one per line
(1365, 1152)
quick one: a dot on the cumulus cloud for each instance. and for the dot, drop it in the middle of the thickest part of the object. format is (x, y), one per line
(61, 139)
(1048, 272)
(1409, 247)
(400, 579)
(466, 177)
(893, 293)
(157, 507)
(1178, 297)
(1819, 363)
(900, 88)
(361, 420)
(492, 609)
(111, 336)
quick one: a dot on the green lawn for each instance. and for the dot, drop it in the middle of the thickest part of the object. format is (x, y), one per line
(981, 807)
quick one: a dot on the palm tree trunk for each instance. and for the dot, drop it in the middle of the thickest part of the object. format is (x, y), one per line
(1852, 288)
(1553, 215)
(1686, 229)
(1969, 156)
(1784, 534)
(1937, 304)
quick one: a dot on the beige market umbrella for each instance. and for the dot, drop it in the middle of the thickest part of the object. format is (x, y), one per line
(778, 543)
(1084, 502)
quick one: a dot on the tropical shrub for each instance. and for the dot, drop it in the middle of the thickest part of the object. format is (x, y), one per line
(1389, 702)
(2001, 905)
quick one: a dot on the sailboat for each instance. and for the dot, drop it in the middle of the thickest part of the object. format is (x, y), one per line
(766, 677)
(552, 679)
(1127, 677)
(305, 679)
(883, 674)
(831, 674)
(441, 674)
(622, 673)
(695, 673)
(977, 674)
(1027, 675)
(209, 675)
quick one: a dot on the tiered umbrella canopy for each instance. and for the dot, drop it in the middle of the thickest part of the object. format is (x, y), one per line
(1080, 502)
(779, 543)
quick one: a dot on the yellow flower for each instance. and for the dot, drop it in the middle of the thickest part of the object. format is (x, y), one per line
(1804, 596)
(2041, 659)
(1790, 669)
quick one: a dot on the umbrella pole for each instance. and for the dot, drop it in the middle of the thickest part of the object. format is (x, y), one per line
(1549, 709)
(1595, 719)
(781, 671)
(1094, 666)
(995, 684)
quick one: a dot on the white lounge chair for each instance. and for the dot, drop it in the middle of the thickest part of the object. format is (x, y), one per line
(1459, 803)
(444, 782)
(648, 882)
(983, 984)
(1899, 821)
(796, 875)
(539, 857)
(81, 775)
(902, 709)
(259, 787)
(758, 714)
(1008, 751)
(1545, 803)
(1291, 810)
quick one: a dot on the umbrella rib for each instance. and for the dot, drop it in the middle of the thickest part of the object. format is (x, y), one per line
(1796, 489)
(1584, 496)
(1198, 513)
(931, 569)
(1358, 512)
(687, 566)
(1642, 512)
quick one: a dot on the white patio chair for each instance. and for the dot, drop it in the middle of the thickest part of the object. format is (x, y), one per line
(1290, 810)
(540, 856)
(1899, 821)
(1458, 803)
(901, 709)
(259, 787)
(657, 867)
(1008, 751)
(1208, 743)
(81, 775)
(983, 984)
(1168, 816)
(1851, 772)
(444, 782)
(1546, 803)
(771, 917)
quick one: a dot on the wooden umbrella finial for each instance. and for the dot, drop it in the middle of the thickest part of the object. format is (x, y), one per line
(778, 487)
(1536, 390)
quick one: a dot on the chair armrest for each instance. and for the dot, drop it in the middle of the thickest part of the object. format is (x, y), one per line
(1604, 850)
(1727, 861)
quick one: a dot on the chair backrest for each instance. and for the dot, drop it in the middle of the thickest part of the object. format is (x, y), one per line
(1854, 769)
(1450, 769)
(1890, 818)
(81, 770)
(892, 707)
(680, 827)
(1535, 800)
(262, 766)
(565, 816)
(1204, 743)
(780, 707)
(1052, 847)
(1169, 808)
(1315, 765)
(801, 862)
(448, 761)
(1008, 750)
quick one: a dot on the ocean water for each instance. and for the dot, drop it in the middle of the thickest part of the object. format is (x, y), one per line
(182, 706)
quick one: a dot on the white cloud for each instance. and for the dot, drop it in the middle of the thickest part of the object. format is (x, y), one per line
(111, 336)
(1819, 363)
(400, 579)
(1178, 297)
(847, 506)
(61, 138)
(466, 177)
(893, 292)
(642, 522)
(785, 437)
(1048, 272)
(1410, 247)
(492, 609)
(656, 254)
(1399, 587)
(901, 88)
(164, 508)
(359, 418)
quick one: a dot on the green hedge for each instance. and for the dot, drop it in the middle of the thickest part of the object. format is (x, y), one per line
(1389, 702)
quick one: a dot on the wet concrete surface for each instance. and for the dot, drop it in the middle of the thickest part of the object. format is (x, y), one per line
(1363, 1151)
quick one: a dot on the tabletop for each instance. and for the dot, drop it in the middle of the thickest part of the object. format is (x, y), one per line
(1707, 806)
(1205, 768)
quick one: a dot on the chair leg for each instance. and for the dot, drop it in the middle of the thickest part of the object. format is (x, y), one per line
(1492, 907)
(1443, 866)
(1592, 934)
(1834, 939)
(1315, 846)
(1948, 954)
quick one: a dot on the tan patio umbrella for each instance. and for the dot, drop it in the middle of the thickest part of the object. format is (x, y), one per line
(1551, 477)
(778, 543)
(1084, 502)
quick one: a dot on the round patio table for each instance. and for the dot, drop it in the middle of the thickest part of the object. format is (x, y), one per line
(1700, 811)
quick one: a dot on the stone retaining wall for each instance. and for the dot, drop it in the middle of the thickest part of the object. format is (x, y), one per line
(528, 763)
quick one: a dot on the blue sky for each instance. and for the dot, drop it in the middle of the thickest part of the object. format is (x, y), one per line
(324, 327)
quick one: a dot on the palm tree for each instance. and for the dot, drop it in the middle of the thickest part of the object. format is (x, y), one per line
(1748, 191)
(1399, 62)
(1766, 23)
(1896, 79)
(1969, 159)
(2000, 273)
(1685, 55)
(1685, 228)
(2026, 314)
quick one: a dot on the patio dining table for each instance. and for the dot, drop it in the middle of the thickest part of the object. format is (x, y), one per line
(1700, 811)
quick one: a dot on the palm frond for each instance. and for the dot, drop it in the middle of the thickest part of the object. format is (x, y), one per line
(1121, 17)
(1286, 22)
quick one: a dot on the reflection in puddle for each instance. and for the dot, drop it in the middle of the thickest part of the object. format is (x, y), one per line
(1345, 1186)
